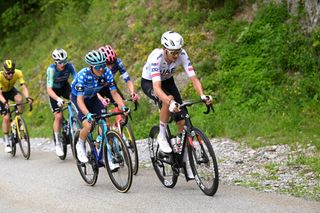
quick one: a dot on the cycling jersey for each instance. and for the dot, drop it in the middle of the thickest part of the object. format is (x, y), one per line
(118, 66)
(7, 85)
(58, 79)
(87, 84)
(157, 69)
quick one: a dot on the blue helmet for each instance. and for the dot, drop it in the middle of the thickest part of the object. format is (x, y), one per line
(95, 57)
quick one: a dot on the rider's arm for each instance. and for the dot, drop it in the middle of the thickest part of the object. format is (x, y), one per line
(159, 92)
(51, 93)
(2, 99)
(197, 85)
(25, 91)
(82, 105)
(130, 86)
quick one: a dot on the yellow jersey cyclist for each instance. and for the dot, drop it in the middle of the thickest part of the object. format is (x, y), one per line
(8, 79)
(85, 87)
(58, 87)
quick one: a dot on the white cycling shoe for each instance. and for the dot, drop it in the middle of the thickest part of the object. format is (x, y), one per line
(81, 153)
(59, 150)
(8, 149)
(163, 144)
(113, 166)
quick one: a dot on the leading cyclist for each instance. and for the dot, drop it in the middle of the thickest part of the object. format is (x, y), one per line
(158, 83)
(8, 79)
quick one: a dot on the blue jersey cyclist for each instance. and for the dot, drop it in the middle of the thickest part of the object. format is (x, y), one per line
(116, 65)
(85, 88)
(58, 87)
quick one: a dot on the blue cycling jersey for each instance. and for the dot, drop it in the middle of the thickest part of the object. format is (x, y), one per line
(118, 66)
(87, 84)
(57, 79)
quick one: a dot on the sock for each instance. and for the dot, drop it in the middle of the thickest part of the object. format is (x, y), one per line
(6, 139)
(163, 128)
(56, 137)
(81, 142)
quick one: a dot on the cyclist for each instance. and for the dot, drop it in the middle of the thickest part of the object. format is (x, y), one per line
(57, 87)
(8, 79)
(115, 64)
(158, 83)
(85, 87)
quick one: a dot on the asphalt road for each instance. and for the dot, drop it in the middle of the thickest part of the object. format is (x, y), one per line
(44, 183)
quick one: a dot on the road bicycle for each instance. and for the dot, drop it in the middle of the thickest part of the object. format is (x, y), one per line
(127, 134)
(68, 128)
(200, 153)
(112, 147)
(18, 132)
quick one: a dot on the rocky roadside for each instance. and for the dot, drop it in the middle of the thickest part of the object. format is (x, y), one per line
(269, 169)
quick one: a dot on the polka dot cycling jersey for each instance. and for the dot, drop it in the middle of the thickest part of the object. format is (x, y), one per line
(88, 84)
(157, 69)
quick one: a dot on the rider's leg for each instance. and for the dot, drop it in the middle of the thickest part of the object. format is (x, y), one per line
(56, 129)
(5, 130)
(81, 152)
(18, 99)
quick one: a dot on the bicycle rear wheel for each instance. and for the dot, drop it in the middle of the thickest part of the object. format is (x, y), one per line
(117, 151)
(162, 165)
(130, 141)
(23, 138)
(89, 171)
(203, 163)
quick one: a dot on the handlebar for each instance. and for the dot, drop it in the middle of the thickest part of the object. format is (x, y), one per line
(190, 103)
(127, 100)
(16, 105)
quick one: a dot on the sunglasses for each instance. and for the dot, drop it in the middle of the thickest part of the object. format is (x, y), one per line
(174, 52)
(9, 73)
(98, 67)
(63, 63)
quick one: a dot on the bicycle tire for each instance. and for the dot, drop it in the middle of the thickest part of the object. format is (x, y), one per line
(74, 127)
(166, 174)
(89, 171)
(130, 141)
(203, 162)
(121, 178)
(23, 138)
(12, 141)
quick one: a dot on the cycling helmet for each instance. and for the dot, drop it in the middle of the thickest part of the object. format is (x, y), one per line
(109, 53)
(172, 40)
(59, 55)
(9, 65)
(95, 57)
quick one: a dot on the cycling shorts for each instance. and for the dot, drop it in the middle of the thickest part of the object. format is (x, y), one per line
(93, 104)
(64, 92)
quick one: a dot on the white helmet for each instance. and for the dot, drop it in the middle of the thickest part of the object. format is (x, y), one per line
(59, 55)
(172, 40)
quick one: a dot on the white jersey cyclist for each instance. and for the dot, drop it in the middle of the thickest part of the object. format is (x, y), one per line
(157, 69)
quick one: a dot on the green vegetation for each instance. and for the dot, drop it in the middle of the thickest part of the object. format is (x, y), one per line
(262, 66)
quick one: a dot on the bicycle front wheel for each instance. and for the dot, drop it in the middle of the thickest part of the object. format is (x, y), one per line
(89, 171)
(23, 138)
(130, 141)
(203, 162)
(117, 161)
(13, 141)
(162, 164)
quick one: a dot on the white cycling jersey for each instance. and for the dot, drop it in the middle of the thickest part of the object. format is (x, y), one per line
(157, 69)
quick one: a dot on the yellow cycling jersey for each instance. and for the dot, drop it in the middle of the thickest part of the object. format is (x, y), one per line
(7, 85)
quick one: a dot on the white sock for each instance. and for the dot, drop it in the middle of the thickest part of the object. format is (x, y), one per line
(81, 142)
(56, 137)
(6, 139)
(163, 128)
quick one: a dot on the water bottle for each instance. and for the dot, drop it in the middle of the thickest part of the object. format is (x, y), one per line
(97, 141)
(179, 143)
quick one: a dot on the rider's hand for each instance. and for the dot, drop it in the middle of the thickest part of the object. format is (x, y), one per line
(105, 102)
(207, 99)
(174, 106)
(126, 110)
(60, 102)
(29, 100)
(134, 97)
(89, 117)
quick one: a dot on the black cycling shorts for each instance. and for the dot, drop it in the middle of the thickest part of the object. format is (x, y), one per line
(169, 87)
(64, 92)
